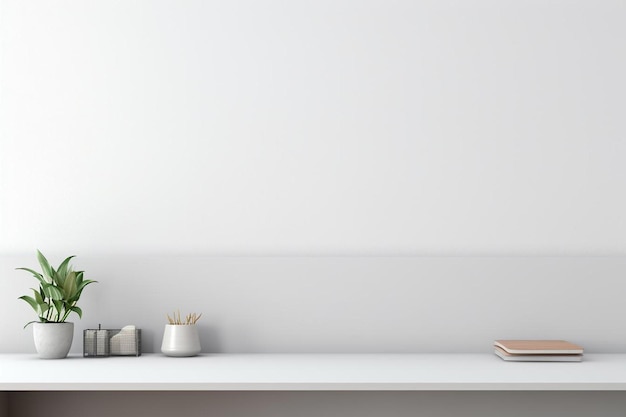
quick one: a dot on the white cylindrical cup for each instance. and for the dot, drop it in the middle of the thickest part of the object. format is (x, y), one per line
(180, 340)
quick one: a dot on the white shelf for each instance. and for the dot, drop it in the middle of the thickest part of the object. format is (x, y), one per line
(311, 372)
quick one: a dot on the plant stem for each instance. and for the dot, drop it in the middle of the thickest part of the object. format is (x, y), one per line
(49, 312)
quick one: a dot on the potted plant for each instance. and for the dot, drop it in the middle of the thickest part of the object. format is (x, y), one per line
(181, 337)
(55, 299)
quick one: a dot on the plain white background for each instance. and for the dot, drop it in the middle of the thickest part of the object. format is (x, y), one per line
(169, 144)
(313, 127)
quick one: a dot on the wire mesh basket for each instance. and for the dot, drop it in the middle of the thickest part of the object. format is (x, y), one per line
(111, 342)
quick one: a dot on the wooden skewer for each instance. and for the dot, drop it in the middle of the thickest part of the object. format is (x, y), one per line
(191, 318)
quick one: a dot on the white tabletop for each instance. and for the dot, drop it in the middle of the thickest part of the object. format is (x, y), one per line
(309, 372)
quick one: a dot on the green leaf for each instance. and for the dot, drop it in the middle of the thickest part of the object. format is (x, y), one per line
(58, 305)
(35, 273)
(53, 292)
(31, 301)
(83, 285)
(57, 279)
(38, 296)
(70, 286)
(45, 266)
(44, 307)
(77, 310)
(63, 268)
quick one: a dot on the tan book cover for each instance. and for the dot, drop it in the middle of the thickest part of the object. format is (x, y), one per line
(538, 347)
(510, 357)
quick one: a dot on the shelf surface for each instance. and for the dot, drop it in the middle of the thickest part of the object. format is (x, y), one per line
(311, 372)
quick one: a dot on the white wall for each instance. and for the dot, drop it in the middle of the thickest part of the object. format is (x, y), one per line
(341, 304)
(313, 127)
(153, 138)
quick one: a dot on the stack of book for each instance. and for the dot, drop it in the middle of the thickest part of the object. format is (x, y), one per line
(538, 350)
